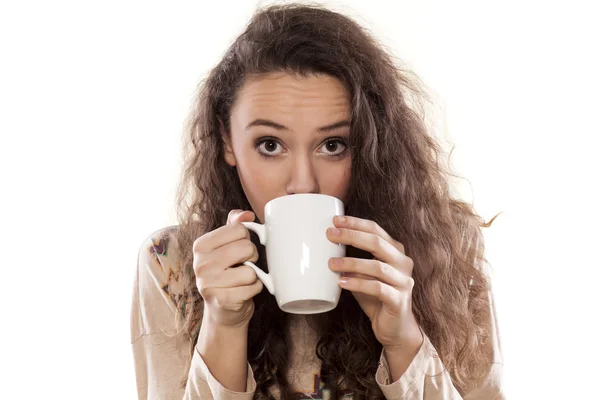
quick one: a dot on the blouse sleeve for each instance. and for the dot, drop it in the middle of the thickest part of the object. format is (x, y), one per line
(427, 379)
(160, 354)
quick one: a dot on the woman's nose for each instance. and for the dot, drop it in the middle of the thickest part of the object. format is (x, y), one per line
(302, 177)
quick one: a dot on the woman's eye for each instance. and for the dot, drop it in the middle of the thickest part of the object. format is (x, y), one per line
(269, 147)
(334, 147)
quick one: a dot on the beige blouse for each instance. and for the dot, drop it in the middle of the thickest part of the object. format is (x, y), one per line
(160, 354)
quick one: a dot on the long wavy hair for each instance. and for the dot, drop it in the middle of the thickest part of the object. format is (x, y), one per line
(397, 180)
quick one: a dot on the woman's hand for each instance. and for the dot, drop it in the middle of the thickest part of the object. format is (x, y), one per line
(228, 304)
(382, 286)
(227, 291)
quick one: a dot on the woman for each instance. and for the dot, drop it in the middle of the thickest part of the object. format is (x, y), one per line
(305, 101)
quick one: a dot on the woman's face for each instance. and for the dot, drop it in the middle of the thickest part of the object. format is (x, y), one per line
(290, 135)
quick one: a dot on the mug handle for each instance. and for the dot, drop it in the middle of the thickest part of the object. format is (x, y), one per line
(264, 277)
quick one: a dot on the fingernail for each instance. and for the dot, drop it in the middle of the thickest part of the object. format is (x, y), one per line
(334, 231)
(340, 218)
(343, 281)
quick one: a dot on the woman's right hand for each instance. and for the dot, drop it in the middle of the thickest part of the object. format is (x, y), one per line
(226, 288)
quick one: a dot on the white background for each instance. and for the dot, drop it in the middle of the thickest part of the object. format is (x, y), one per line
(93, 96)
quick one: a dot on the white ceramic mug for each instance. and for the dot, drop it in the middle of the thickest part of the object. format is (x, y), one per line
(298, 251)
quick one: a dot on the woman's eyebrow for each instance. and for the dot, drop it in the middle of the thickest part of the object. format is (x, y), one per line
(340, 124)
(267, 123)
(271, 124)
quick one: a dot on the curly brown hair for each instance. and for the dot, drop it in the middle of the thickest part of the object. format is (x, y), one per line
(397, 180)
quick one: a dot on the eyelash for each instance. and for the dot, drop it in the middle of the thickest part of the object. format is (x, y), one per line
(265, 139)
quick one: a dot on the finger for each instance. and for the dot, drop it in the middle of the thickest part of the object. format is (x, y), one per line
(365, 225)
(372, 269)
(388, 295)
(234, 277)
(232, 214)
(376, 245)
(239, 294)
(220, 237)
(359, 224)
(230, 255)
(240, 216)
(231, 298)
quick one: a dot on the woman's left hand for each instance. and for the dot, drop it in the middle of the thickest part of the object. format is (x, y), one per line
(381, 286)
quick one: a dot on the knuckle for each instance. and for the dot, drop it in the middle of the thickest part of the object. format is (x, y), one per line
(410, 264)
(410, 283)
(237, 231)
(254, 257)
(241, 230)
(259, 285)
(206, 292)
(249, 248)
(247, 275)
(401, 247)
(199, 263)
(350, 222)
(348, 235)
(375, 227)
(381, 268)
(379, 289)
(348, 263)
(197, 245)
(256, 288)
(380, 243)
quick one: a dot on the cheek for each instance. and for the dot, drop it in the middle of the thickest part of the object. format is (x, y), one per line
(260, 184)
(258, 178)
(336, 180)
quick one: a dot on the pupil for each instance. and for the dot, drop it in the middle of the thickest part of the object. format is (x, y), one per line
(332, 146)
(271, 146)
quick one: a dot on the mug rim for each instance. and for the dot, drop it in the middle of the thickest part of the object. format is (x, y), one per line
(302, 195)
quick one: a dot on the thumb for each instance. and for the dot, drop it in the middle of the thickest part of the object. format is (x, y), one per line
(240, 216)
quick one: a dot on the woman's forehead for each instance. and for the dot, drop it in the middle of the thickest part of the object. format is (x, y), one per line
(318, 98)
